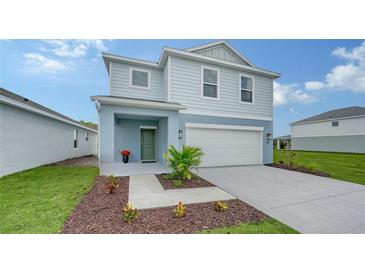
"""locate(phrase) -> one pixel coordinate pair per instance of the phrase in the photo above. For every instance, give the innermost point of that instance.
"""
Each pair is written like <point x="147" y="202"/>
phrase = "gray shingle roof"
<point x="28" y="102"/>
<point x="335" y="114"/>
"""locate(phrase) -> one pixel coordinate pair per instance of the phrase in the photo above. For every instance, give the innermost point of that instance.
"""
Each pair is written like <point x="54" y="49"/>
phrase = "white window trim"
<point x="202" y="83"/>
<point x="239" y="89"/>
<point x="148" y="127"/>
<point x="131" y="69"/>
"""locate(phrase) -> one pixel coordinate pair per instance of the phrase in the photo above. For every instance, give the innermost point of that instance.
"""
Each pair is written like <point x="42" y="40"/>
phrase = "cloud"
<point x="43" y="63"/>
<point x="293" y="111"/>
<point x="348" y="76"/>
<point x="284" y="94"/>
<point x="72" y="48"/>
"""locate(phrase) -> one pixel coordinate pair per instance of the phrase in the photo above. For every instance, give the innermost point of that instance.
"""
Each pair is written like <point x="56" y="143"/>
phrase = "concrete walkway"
<point x="121" y="169"/>
<point x="307" y="203"/>
<point x="145" y="191"/>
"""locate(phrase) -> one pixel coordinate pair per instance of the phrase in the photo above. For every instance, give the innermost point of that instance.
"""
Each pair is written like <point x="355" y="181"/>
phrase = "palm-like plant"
<point x="182" y="162"/>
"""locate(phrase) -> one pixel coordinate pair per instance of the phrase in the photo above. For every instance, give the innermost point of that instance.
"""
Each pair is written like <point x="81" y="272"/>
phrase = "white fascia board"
<point x="326" y="120"/>
<point x="136" y="103"/>
<point x="185" y="54"/>
<point x="117" y="58"/>
<point x="26" y="107"/>
<point x="220" y="126"/>
<point x="201" y="58"/>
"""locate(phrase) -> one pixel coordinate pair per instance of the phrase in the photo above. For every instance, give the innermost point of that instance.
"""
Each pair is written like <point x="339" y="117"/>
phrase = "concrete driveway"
<point x="307" y="203"/>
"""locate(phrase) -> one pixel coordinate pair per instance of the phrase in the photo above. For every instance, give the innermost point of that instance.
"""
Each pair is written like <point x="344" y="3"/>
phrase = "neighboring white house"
<point x="32" y="135"/>
<point x="339" y="130"/>
<point x="208" y="96"/>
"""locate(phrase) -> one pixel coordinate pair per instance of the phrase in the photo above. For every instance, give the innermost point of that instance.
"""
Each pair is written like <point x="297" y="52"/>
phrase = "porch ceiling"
<point x="137" y="117"/>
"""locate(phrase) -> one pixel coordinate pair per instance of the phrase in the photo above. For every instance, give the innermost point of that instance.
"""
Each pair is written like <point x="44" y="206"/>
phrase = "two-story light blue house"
<point x="208" y="96"/>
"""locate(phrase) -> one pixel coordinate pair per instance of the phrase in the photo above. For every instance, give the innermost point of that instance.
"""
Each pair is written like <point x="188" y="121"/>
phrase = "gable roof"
<point x="167" y="51"/>
<point x="15" y="98"/>
<point x="354" y="111"/>
<point x="236" y="55"/>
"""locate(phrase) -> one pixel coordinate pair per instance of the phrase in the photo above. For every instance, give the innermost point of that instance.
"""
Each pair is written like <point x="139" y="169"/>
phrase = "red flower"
<point x="125" y="152"/>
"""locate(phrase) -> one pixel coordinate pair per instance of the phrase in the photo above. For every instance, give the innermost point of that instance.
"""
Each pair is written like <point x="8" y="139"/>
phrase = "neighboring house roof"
<point x="199" y="49"/>
<point x="167" y="51"/>
<point x="14" y="99"/>
<point x="284" y="137"/>
<point x="131" y="102"/>
<point x="354" y="111"/>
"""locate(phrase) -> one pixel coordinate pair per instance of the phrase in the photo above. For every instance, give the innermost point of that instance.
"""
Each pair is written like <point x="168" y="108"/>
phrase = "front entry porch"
<point x="136" y="168"/>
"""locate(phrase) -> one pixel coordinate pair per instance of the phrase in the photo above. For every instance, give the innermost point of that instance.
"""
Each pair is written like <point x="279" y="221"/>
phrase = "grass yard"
<point x="267" y="226"/>
<point x="342" y="166"/>
<point x="40" y="200"/>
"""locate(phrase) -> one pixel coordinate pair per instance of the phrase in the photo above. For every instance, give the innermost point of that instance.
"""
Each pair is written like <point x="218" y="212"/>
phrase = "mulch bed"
<point x="196" y="181"/>
<point x="102" y="213"/>
<point x="300" y="169"/>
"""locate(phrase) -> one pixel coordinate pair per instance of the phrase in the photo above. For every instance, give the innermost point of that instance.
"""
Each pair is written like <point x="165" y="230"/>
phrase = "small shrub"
<point x="180" y="210"/>
<point x="182" y="162"/>
<point x="168" y="176"/>
<point x="177" y="183"/>
<point x="290" y="157"/>
<point x="112" y="185"/>
<point x="130" y="213"/>
<point x="312" y="167"/>
<point x="220" y="206"/>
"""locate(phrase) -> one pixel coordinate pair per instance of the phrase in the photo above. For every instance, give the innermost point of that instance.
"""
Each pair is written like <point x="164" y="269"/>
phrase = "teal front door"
<point x="148" y="144"/>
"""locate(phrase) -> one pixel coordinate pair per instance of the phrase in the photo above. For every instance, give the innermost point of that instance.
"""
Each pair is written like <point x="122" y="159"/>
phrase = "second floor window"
<point x="140" y="78"/>
<point x="246" y="89"/>
<point x="210" y="83"/>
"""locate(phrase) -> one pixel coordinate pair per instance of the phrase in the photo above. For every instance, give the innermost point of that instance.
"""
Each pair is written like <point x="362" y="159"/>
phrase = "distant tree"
<point x="89" y="124"/>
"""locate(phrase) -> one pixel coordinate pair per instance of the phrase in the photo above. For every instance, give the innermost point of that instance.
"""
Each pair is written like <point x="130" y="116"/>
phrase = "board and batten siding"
<point x="119" y="83"/>
<point x="220" y="53"/>
<point x="28" y="140"/>
<point x="346" y="127"/>
<point x="185" y="88"/>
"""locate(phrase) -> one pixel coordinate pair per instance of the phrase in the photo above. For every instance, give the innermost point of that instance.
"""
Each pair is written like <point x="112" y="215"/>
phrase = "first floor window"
<point x="210" y="83"/>
<point x="76" y="133"/>
<point x="246" y="89"/>
<point x="140" y="78"/>
<point x="87" y="136"/>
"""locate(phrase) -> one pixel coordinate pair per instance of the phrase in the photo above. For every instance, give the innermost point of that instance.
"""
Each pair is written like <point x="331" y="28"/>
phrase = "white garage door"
<point x="226" y="145"/>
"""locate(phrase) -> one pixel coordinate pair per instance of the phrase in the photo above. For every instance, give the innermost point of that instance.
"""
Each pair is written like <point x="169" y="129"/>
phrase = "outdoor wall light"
<point x="180" y="134"/>
<point x="268" y="137"/>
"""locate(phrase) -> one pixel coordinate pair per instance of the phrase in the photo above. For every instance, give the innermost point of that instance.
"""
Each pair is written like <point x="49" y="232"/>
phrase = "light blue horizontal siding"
<point x="165" y="82"/>
<point x="185" y="88"/>
<point x="119" y="83"/>
<point x="354" y="144"/>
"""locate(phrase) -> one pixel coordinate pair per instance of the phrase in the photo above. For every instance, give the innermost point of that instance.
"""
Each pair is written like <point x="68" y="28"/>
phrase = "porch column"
<point x="278" y="144"/>
<point x="106" y="131"/>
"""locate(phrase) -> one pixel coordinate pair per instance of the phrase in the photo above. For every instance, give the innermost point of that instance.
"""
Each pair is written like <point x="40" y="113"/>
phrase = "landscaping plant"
<point x="180" y="210"/>
<point x="290" y="157"/>
<point x="130" y="213"/>
<point x="182" y="162"/>
<point x="112" y="185"/>
<point x="178" y="183"/>
<point x="220" y="206"/>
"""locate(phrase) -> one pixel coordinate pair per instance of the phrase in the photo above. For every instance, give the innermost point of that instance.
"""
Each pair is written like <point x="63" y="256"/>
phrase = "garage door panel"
<point x="224" y="147"/>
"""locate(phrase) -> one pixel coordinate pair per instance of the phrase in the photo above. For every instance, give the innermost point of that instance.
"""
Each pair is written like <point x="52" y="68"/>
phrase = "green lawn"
<point x="267" y="226"/>
<point x="343" y="166"/>
<point x="40" y="200"/>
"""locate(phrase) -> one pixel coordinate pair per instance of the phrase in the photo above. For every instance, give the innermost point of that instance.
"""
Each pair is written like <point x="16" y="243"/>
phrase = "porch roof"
<point x="129" y="102"/>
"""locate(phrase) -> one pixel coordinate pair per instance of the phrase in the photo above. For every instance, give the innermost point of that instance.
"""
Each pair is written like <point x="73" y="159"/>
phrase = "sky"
<point x="316" y="75"/>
